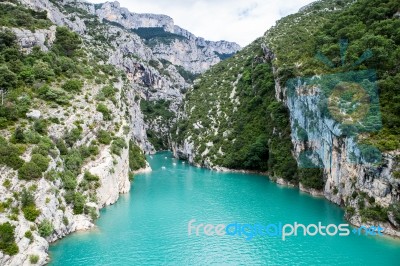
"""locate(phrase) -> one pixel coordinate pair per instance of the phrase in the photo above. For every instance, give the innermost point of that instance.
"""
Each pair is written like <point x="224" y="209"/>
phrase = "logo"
<point x="281" y="230"/>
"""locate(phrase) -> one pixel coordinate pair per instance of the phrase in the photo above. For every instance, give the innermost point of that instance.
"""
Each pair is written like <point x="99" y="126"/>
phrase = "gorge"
<point x="91" y="88"/>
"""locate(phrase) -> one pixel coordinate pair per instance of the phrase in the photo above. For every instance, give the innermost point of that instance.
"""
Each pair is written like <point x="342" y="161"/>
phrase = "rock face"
<point x="41" y="38"/>
<point x="193" y="53"/>
<point x="147" y="78"/>
<point x="113" y="11"/>
<point x="113" y="172"/>
<point x="345" y="180"/>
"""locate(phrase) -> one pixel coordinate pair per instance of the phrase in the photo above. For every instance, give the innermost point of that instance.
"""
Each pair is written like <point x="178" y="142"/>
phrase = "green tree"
<point x="45" y="228"/>
<point x="67" y="42"/>
<point x="8" y="79"/>
<point x="29" y="171"/>
<point x="7" y="239"/>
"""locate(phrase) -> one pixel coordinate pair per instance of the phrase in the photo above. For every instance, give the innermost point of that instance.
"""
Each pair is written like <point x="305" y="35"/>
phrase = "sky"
<point x="240" y="21"/>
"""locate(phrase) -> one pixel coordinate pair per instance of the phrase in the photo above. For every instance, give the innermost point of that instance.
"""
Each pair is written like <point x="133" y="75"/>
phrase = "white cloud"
<point x="241" y="21"/>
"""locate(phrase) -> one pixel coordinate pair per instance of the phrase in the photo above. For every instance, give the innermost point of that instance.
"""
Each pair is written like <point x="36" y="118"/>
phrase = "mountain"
<point x="313" y="103"/>
<point x="84" y="96"/>
<point x="88" y="89"/>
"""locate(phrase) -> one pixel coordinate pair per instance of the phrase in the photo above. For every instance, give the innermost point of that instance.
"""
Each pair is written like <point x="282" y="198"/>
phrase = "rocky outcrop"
<point x="113" y="11"/>
<point x="112" y="170"/>
<point x="42" y="38"/>
<point x="349" y="177"/>
<point x="55" y="15"/>
<point x="193" y="53"/>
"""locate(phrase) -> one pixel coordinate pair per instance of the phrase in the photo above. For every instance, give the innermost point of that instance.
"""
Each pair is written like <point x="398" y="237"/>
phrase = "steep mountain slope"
<point x="141" y="45"/>
<point x="275" y="107"/>
<point x="72" y="117"/>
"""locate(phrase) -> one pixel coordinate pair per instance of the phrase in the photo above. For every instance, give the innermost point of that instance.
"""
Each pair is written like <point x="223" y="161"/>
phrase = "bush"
<point x="29" y="235"/>
<point x="54" y="95"/>
<point x="73" y="85"/>
<point x="91" y="150"/>
<point x="137" y="160"/>
<point x="69" y="180"/>
<point x="33" y="259"/>
<point x="31" y="213"/>
<point x="41" y="161"/>
<point x="90" y="177"/>
<point x="27" y="198"/>
<point x="18" y="136"/>
<point x="72" y="136"/>
<point x="79" y="203"/>
<point x="29" y="171"/>
<point x="104" y="137"/>
<point x="8" y="79"/>
<point x="40" y="126"/>
<point x="73" y="162"/>
<point x="118" y="145"/>
<point x="374" y="213"/>
<point x="312" y="178"/>
<point x="45" y="228"/>
<point x="7" y="39"/>
<point x="42" y="71"/>
<point x="67" y="42"/>
<point x="107" y="92"/>
<point x="62" y="147"/>
<point x="44" y="147"/>
<point x="105" y="111"/>
<point x="7" y="239"/>
<point x="9" y="155"/>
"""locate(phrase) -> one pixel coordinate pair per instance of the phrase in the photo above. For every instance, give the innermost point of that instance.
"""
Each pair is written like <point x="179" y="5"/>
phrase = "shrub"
<point x="73" y="85"/>
<point x="54" y="95"/>
<point x="42" y="71"/>
<point x="72" y="136"/>
<point x="137" y="159"/>
<point x="7" y="239"/>
<point x="41" y="161"/>
<point x="29" y="235"/>
<point x="91" y="150"/>
<point x="69" y="180"/>
<point x="79" y="203"/>
<point x="40" y="126"/>
<point x="32" y="137"/>
<point x="44" y="147"/>
<point x="107" y="92"/>
<point x="105" y="111"/>
<point x="104" y="137"/>
<point x="31" y="213"/>
<point x="312" y="178"/>
<point x="29" y="171"/>
<point x="8" y="79"/>
<point x="374" y="213"/>
<point x="118" y="145"/>
<point x="27" y="198"/>
<point x="62" y="147"/>
<point x="9" y="155"/>
<point x="7" y="39"/>
<point x="18" y="135"/>
<point x="73" y="161"/>
<point x="67" y="42"/>
<point x="33" y="259"/>
<point x="45" y="228"/>
<point x="90" y="177"/>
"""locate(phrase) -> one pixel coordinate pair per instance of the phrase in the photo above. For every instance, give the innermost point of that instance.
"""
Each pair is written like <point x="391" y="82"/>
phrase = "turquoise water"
<point x="149" y="226"/>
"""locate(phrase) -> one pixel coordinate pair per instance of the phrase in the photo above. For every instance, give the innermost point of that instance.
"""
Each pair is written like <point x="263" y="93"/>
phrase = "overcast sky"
<point x="240" y="21"/>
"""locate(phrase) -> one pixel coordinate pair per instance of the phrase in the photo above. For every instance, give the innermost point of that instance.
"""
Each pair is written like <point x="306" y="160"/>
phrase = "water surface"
<point x="149" y="226"/>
